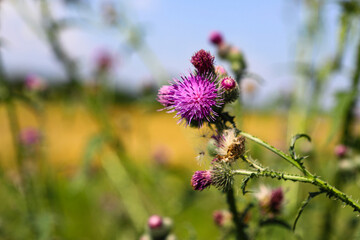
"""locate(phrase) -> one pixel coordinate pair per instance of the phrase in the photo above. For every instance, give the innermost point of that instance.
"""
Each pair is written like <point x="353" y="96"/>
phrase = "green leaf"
<point x="303" y="205"/>
<point x="292" y="145"/>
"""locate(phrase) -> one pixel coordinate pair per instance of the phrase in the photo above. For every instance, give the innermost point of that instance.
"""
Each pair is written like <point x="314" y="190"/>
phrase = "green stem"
<point x="240" y="233"/>
<point x="323" y="185"/>
<point x="277" y="152"/>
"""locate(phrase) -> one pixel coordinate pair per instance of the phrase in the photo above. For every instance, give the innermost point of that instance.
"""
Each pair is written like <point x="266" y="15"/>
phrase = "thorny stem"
<point x="240" y="233"/>
<point x="278" y="152"/>
<point x="307" y="178"/>
<point x="230" y="198"/>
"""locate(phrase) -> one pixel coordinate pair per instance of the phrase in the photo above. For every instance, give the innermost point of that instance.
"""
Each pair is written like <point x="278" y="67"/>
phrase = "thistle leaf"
<point x="303" y="205"/>
<point x="292" y="145"/>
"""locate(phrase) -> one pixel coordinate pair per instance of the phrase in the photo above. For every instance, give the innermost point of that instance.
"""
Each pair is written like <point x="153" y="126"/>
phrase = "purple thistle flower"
<point x="340" y="151"/>
<point x="216" y="38"/>
<point x="193" y="99"/>
<point x="29" y="136"/>
<point x="276" y="200"/>
<point x="165" y="94"/>
<point x="201" y="180"/>
<point x="203" y="61"/>
<point x="155" y="221"/>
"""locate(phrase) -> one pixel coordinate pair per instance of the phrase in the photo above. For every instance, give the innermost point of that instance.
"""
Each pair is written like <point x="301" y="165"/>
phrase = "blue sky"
<point x="266" y="31"/>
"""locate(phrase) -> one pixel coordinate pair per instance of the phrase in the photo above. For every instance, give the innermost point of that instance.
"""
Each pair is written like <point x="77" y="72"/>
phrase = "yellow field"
<point x="144" y="131"/>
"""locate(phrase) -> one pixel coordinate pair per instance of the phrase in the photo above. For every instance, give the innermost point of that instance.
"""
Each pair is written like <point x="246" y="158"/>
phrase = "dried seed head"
<point x="230" y="147"/>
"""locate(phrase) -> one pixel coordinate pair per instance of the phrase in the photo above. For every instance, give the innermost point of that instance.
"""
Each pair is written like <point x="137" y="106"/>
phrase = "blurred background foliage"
<point x="85" y="153"/>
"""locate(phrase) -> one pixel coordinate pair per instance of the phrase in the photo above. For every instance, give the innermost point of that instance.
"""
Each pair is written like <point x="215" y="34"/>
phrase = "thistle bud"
<point x="340" y="151"/>
<point x="224" y="50"/>
<point x="203" y="62"/>
<point x="271" y="201"/>
<point x="228" y="83"/>
<point x="216" y="38"/>
<point x="222" y="177"/>
<point x="222" y="218"/>
<point x="159" y="227"/>
<point x="220" y="71"/>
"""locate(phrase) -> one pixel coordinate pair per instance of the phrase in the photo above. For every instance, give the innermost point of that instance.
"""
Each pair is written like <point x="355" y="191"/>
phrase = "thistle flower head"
<point x="165" y="95"/>
<point x="29" y="137"/>
<point x="158" y="227"/>
<point x="201" y="180"/>
<point x="193" y="98"/>
<point x="203" y="62"/>
<point x="230" y="147"/>
<point x="270" y="200"/>
<point x="222" y="217"/>
<point x="216" y="38"/>
<point x="340" y="151"/>
<point x="155" y="221"/>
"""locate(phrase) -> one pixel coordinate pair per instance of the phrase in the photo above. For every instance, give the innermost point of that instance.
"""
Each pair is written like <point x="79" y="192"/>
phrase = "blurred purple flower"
<point x="340" y="151"/>
<point x="270" y="200"/>
<point x="222" y="217"/>
<point x="34" y="83"/>
<point x="276" y="200"/>
<point x="155" y="221"/>
<point x="104" y="60"/>
<point x="201" y="180"/>
<point x="216" y="38"/>
<point x="161" y="155"/>
<point x="29" y="137"/>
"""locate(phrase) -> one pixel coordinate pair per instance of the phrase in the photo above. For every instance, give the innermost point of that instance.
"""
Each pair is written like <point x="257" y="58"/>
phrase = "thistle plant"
<point x="199" y="99"/>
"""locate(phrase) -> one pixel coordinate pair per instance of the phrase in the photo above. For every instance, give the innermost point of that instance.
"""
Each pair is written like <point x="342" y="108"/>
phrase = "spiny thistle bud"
<point x="224" y="50"/>
<point x="159" y="227"/>
<point x="230" y="147"/>
<point x="228" y="83"/>
<point x="231" y="89"/>
<point x="203" y="62"/>
<point x="340" y="151"/>
<point x="220" y="71"/>
<point x="222" y="218"/>
<point x="216" y="38"/>
<point x="270" y="200"/>
<point x="155" y="221"/>
<point x="236" y="59"/>
<point x="222" y="176"/>
<point x="201" y="180"/>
